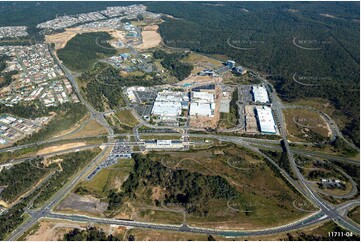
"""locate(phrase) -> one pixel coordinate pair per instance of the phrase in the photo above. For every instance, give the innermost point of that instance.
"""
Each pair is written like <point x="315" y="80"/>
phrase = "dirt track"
<point x="61" y="39"/>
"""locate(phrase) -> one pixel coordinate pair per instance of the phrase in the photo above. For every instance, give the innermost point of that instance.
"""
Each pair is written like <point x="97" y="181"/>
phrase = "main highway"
<point x="326" y="211"/>
<point x="326" y="208"/>
<point x="45" y="209"/>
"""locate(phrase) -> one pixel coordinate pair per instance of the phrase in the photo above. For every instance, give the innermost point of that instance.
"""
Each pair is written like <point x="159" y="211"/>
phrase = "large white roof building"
<point x="266" y="120"/>
<point x="203" y="97"/>
<point x="167" y="108"/>
<point x="202" y="104"/>
<point x="202" y="109"/>
<point x="168" y="103"/>
<point x="260" y="94"/>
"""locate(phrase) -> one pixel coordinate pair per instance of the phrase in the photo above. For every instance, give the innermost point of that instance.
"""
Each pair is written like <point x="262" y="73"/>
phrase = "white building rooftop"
<point x="265" y="120"/>
<point x="202" y="109"/>
<point x="260" y="94"/>
<point x="167" y="108"/>
<point x="203" y="97"/>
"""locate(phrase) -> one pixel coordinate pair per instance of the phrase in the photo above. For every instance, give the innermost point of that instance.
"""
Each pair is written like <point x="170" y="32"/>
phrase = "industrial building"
<point x="207" y="73"/>
<point x="265" y="120"/>
<point x="161" y="108"/>
<point x="163" y="144"/>
<point x="202" y="104"/>
<point x="202" y="109"/>
<point x="202" y="97"/>
<point x="239" y="70"/>
<point x="230" y="64"/>
<point x="260" y="94"/>
<point x="169" y="103"/>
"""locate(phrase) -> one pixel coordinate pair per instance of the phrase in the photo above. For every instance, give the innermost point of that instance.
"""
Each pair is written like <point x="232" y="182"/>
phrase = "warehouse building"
<point x="202" y="109"/>
<point x="202" y="97"/>
<point x="265" y="120"/>
<point x="260" y="94"/>
<point x="167" y="108"/>
<point x="170" y="104"/>
<point x="202" y="104"/>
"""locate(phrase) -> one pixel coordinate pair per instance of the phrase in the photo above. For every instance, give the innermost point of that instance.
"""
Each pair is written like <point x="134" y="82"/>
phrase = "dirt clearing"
<point x="299" y="122"/>
<point x="151" y="37"/>
<point x="61" y="39"/>
<point x="57" y="148"/>
<point x="53" y="230"/>
<point x="196" y="80"/>
<point x="87" y="204"/>
<point x="251" y="121"/>
<point x="92" y="128"/>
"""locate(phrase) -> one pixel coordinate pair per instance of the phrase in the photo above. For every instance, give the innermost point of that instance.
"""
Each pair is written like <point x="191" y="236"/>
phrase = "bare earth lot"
<point x="88" y="204"/>
<point x="61" y="39"/>
<point x="151" y="37"/>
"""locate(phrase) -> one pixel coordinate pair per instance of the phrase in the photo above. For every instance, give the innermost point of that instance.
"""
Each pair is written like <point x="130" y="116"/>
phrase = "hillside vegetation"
<point x="82" y="51"/>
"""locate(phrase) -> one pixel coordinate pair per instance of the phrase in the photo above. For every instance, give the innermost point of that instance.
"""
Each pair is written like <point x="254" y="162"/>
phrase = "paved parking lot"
<point x="144" y="110"/>
<point x="119" y="151"/>
<point x="146" y="96"/>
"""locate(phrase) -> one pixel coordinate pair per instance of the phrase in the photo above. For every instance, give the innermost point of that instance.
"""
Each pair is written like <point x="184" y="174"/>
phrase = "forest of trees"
<point x="10" y="220"/>
<point x="104" y="82"/>
<point x="172" y="62"/>
<point x="82" y="51"/>
<point x="27" y="110"/>
<point x="89" y="234"/>
<point x="71" y="164"/>
<point x="3" y="59"/>
<point x="191" y="190"/>
<point x="281" y="159"/>
<point x="67" y="115"/>
<point x="13" y="217"/>
<point x="20" y="178"/>
<point x="233" y="107"/>
<point x="7" y="76"/>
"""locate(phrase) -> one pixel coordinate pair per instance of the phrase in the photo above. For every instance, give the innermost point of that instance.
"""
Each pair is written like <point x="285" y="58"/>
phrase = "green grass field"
<point x="126" y="117"/>
<point x="298" y="121"/>
<point x="108" y="178"/>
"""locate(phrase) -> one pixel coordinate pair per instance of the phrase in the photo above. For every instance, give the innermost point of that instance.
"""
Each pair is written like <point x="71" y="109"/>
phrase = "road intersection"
<point x="325" y="211"/>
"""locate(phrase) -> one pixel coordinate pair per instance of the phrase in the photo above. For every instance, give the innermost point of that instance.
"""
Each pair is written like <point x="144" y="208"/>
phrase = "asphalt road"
<point x="54" y="200"/>
<point x="326" y="211"/>
<point x="313" y="219"/>
<point x="99" y="117"/>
